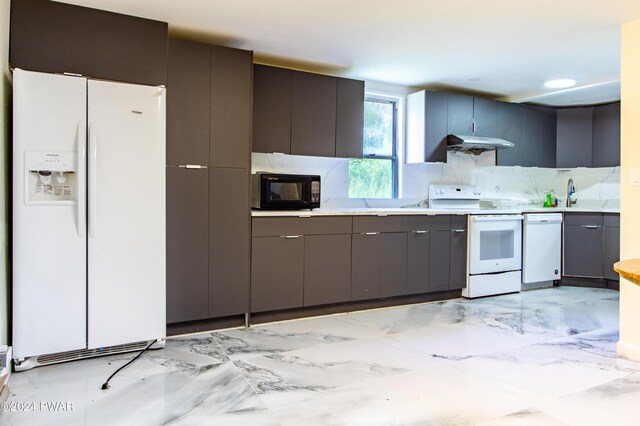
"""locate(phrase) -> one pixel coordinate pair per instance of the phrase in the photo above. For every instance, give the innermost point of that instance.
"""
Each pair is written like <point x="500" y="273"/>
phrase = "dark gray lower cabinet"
<point x="378" y="265"/>
<point x="229" y="240"/>
<point x="365" y="266"/>
<point x="393" y="272"/>
<point x="611" y="249"/>
<point x="458" y="253"/>
<point x="187" y="244"/>
<point x="327" y="269"/>
<point x="583" y="251"/>
<point x="439" y="255"/>
<point x="418" y="262"/>
<point x="277" y="273"/>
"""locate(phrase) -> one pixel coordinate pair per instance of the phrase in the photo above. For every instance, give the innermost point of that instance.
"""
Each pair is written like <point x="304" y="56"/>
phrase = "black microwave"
<point x="285" y="192"/>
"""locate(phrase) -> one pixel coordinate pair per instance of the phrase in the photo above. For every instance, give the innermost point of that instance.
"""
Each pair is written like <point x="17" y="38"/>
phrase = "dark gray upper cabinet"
<point x="187" y="244"/>
<point x="460" y="114"/>
<point x="574" y="141"/>
<point x="229" y="242"/>
<point x="458" y="253"/>
<point x="230" y="121"/>
<point x="52" y="37"/>
<point x="129" y="48"/>
<point x="313" y="115"/>
<point x="548" y="119"/>
<point x="272" y="109"/>
<point x="349" y="118"/>
<point x="606" y="135"/>
<point x="55" y="37"/>
<point x="327" y="269"/>
<point x="485" y="117"/>
<point x="539" y="137"/>
<point x="427" y="127"/>
<point x="511" y="127"/>
<point x="188" y="103"/>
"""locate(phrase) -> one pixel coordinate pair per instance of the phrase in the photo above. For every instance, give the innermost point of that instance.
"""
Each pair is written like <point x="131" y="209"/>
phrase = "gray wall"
<point x="5" y="99"/>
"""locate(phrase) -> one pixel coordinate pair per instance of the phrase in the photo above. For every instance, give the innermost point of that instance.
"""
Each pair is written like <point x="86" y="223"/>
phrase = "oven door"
<point x="495" y="243"/>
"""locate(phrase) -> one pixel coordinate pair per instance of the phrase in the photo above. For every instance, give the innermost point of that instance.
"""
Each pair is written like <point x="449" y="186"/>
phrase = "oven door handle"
<point x="504" y="218"/>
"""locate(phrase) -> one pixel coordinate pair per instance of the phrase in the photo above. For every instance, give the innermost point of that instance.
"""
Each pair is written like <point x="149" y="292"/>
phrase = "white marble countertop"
<point x="377" y="211"/>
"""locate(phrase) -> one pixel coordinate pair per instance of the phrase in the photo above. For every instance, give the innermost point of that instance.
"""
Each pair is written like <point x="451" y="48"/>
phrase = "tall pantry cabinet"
<point x="208" y="167"/>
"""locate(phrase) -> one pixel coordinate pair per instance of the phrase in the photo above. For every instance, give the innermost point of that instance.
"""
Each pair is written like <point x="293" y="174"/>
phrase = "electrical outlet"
<point x="635" y="177"/>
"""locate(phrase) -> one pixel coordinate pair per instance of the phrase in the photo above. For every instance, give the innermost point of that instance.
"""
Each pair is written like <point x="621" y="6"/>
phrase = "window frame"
<point x="394" y="156"/>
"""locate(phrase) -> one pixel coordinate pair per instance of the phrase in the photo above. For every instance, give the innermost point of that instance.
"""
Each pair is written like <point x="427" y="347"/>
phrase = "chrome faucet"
<point x="571" y="189"/>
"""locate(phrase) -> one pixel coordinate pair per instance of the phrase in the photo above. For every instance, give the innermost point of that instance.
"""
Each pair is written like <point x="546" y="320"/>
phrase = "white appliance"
<point x="454" y="197"/>
<point x="88" y="217"/>
<point x="494" y="255"/>
<point x="542" y="249"/>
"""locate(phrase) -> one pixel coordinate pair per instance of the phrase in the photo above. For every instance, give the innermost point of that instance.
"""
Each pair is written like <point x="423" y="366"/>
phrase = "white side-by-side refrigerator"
<point x="88" y="217"/>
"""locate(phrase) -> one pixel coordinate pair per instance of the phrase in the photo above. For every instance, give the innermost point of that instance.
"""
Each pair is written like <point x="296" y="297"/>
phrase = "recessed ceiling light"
<point x="560" y="83"/>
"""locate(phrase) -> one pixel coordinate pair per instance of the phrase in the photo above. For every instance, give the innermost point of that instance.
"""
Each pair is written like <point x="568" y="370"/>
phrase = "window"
<point x="375" y="175"/>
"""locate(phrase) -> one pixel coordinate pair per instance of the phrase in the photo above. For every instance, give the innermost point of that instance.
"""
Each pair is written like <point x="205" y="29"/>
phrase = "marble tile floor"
<point x="542" y="357"/>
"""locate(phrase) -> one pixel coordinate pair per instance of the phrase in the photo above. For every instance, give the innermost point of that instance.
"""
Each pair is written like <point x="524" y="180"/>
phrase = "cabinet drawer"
<point x="363" y="224"/>
<point x="459" y="222"/>
<point x="612" y="220"/>
<point x="277" y="226"/>
<point x="580" y="219"/>
<point x="429" y="223"/>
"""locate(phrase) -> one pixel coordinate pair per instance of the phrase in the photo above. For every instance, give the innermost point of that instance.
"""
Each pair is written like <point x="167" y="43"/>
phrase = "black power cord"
<point x="105" y="385"/>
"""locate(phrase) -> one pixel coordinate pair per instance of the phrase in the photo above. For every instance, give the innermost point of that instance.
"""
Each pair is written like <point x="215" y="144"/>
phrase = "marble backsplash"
<point x="506" y="186"/>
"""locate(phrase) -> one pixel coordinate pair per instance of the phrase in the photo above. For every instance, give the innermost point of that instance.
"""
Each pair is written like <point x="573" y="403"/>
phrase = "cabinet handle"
<point x="591" y="226"/>
<point x="290" y="237"/>
<point x="192" y="166"/>
<point x="419" y="232"/>
<point x="382" y="215"/>
<point x="371" y="233"/>
<point x="474" y="126"/>
<point x="458" y="230"/>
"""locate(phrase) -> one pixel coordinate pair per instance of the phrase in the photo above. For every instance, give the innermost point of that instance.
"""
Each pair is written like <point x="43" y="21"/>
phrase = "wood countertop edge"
<point x="629" y="270"/>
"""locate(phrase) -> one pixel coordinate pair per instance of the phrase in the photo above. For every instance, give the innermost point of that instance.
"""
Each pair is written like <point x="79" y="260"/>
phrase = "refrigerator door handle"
<point x="93" y="181"/>
<point x="81" y="178"/>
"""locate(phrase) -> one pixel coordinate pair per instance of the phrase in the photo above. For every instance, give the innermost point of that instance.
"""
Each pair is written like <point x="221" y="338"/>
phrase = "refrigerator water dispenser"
<point x="50" y="177"/>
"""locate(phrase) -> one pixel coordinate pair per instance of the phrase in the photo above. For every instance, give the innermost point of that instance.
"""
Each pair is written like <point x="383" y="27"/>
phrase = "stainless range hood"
<point x="475" y="144"/>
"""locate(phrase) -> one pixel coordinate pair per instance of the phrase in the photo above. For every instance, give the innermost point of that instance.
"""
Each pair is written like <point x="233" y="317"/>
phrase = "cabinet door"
<point x="458" y="259"/>
<point x="606" y="135"/>
<point x="229" y="242"/>
<point x="574" y="142"/>
<point x="418" y="262"/>
<point x="460" y="114"/>
<point x="548" y="134"/>
<point x="230" y="131"/>
<point x="349" y="118"/>
<point x="271" y="109"/>
<point x="611" y="252"/>
<point x="365" y="266"/>
<point x="313" y="115"/>
<point x="131" y="49"/>
<point x="583" y="251"/>
<point x="188" y="103"/>
<point x="485" y="116"/>
<point x="439" y="246"/>
<point x="393" y="273"/>
<point x="435" y="126"/>
<point x="52" y="37"/>
<point x="187" y="244"/>
<point x="327" y="269"/>
<point x="511" y="127"/>
<point x="276" y="273"/>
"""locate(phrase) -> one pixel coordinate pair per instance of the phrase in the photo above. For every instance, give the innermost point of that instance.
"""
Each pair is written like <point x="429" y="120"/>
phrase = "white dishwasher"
<point x="542" y="250"/>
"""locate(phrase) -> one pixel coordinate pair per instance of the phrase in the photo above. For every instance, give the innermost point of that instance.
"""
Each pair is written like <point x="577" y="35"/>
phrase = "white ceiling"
<point x="502" y="48"/>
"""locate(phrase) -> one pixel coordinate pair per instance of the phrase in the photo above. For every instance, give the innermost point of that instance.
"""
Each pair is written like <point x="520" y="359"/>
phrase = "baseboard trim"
<point x="628" y="350"/>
